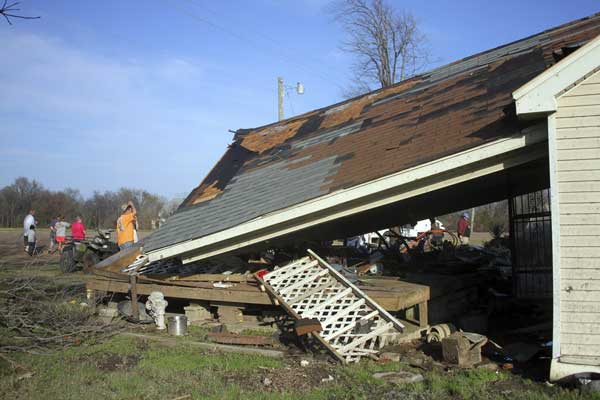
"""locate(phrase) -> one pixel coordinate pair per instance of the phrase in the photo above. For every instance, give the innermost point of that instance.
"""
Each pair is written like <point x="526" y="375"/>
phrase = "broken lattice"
<point x="353" y="324"/>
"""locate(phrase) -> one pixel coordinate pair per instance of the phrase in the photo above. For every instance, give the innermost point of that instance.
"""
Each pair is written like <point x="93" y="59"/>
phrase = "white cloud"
<point x="46" y="75"/>
<point x="63" y="106"/>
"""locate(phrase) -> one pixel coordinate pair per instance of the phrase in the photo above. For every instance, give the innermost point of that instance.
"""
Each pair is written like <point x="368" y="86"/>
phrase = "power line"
<point x="280" y="45"/>
<point x="256" y="45"/>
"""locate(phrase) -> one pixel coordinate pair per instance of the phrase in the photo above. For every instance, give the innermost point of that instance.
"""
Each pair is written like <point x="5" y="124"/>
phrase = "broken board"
<point x="353" y="325"/>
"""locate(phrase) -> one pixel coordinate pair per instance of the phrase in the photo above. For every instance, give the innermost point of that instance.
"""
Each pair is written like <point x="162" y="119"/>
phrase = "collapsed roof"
<point x="450" y="109"/>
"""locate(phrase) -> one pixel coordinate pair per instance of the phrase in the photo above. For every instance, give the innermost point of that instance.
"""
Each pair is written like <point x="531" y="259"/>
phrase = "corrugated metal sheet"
<point x="447" y="110"/>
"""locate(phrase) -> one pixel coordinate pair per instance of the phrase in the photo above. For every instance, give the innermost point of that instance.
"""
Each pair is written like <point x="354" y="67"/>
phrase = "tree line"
<point x="100" y="210"/>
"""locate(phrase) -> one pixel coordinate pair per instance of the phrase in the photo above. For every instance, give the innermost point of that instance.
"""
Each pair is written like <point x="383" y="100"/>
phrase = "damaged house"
<point x="515" y="122"/>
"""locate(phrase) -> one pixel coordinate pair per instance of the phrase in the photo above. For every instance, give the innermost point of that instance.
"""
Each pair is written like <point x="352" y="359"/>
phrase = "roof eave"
<point x="538" y="96"/>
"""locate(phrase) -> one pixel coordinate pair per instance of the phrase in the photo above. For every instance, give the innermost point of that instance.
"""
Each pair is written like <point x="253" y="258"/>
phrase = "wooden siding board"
<point x="580" y="263"/>
<point x="579" y="317"/>
<point x="578" y="208"/>
<point x="579" y="154"/>
<point x="580" y="306"/>
<point x="582" y="220"/>
<point x="578" y="143"/>
<point x="580" y="252"/>
<point x="577" y="165"/>
<point x="576" y="187"/>
<point x="589" y="110"/>
<point x="580" y="296"/>
<point x="577" y="122"/>
<point x="581" y="273"/>
<point x="574" y="101"/>
<point x="584" y="90"/>
<point x="579" y="349"/>
<point x="582" y="328"/>
<point x="591" y="240"/>
<point x="579" y="198"/>
<point x="577" y="132"/>
<point x="579" y="339"/>
<point x="581" y="284"/>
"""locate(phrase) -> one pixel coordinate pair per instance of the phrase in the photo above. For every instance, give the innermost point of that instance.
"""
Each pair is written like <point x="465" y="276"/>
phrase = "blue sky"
<point x="102" y="94"/>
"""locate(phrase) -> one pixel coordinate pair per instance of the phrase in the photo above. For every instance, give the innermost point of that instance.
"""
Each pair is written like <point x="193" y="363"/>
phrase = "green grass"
<point x="159" y="372"/>
<point x="150" y="370"/>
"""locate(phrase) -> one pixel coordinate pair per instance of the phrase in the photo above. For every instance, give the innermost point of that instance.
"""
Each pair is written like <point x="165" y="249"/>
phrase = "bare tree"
<point x="9" y="10"/>
<point x="388" y="44"/>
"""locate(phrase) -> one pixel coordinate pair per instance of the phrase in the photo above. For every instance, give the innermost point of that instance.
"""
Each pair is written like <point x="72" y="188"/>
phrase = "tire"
<point x="89" y="260"/>
<point x="67" y="263"/>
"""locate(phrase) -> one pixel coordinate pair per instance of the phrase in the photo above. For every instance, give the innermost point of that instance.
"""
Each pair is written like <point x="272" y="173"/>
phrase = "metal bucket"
<point x="177" y="325"/>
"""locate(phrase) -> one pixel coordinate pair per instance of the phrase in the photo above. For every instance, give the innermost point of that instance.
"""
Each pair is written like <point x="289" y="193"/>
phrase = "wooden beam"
<point x="120" y="260"/>
<point x="213" y="294"/>
<point x="423" y="315"/>
<point x="135" y="309"/>
<point x="209" y="278"/>
<point x="171" y="341"/>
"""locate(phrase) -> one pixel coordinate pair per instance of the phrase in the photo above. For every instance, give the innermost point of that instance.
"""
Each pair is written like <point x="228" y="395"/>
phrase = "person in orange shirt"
<point x="126" y="226"/>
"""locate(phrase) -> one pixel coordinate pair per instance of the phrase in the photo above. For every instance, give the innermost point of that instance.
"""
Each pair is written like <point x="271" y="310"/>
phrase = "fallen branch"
<point x="38" y="315"/>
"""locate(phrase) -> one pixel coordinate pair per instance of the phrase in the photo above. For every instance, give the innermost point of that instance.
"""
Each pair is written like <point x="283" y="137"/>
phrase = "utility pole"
<point x="280" y="90"/>
<point x="473" y="220"/>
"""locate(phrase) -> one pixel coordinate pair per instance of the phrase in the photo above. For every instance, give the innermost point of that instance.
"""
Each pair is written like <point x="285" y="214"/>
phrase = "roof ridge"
<point x="418" y="76"/>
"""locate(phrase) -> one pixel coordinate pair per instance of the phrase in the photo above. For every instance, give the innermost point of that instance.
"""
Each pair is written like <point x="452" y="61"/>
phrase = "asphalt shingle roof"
<point x="444" y="111"/>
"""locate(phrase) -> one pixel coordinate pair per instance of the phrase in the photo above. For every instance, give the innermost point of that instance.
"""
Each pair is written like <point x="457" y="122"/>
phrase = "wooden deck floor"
<point x="391" y="293"/>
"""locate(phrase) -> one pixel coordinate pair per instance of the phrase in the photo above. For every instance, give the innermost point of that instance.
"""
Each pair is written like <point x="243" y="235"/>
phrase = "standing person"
<point x="27" y="223"/>
<point x="61" y="232"/>
<point x="126" y="226"/>
<point x="463" y="229"/>
<point x="78" y="229"/>
<point x="31" y="240"/>
<point x="52" y="234"/>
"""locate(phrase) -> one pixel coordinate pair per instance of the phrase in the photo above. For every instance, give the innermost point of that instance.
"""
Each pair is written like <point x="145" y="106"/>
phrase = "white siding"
<point x="578" y="187"/>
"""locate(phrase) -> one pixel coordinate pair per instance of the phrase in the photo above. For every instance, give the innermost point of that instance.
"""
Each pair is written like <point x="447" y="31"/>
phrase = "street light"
<point x="280" y="91"/>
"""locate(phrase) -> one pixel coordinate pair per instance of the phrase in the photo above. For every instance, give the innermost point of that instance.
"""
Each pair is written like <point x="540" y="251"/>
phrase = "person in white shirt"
<point x="31" y="240"/>
<point x="27" y="223"/>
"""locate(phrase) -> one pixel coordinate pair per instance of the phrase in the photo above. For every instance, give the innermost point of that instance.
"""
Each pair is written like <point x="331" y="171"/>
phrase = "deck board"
<point x="391" y="293"/>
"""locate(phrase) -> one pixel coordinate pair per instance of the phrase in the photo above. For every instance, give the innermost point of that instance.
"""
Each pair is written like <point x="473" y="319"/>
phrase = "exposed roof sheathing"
<point x="449" y="109"/>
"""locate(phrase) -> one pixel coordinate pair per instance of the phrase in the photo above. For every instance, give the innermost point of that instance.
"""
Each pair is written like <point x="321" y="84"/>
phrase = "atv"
<point x="87" y="253"/>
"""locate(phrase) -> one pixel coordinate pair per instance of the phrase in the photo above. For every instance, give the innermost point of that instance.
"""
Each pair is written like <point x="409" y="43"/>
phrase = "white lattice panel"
<point x="353" y="324"/>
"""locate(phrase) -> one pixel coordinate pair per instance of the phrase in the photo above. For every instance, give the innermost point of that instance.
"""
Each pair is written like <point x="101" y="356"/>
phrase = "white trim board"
<point x="538" y="96"/>
<point x="555" y="226"/>
<point x="344" y="202"/>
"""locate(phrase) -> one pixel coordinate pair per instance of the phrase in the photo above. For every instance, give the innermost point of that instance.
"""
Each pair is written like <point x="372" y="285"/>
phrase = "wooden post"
<point x="135" y="311"/>
<point x="423" y="317"/>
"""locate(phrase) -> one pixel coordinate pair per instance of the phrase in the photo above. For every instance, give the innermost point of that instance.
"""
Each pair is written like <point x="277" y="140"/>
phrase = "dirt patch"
<point x="114" y="362"/>
<point x="291" y="377"/>
<point x="12" y="251"/>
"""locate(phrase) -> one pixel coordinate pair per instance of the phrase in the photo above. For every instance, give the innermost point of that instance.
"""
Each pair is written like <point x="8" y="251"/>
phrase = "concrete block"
<point x="197" y="312"/>
<point x="230" y="315"/>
